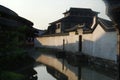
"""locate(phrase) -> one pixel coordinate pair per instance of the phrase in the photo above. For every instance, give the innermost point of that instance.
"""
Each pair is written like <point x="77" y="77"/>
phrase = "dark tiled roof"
<point x="4" y="10"/>
<point x="25" y="21"/>
<point x="74" y="19"/>
<point x="77" y="20"/>
<point x="86" y="10"/>
<point x="9" y="22"/>
<point x="72" y="29"/>
<point x="11" y="18"/>
<point x="84" y="28"/>
<point x="106" y="24"/>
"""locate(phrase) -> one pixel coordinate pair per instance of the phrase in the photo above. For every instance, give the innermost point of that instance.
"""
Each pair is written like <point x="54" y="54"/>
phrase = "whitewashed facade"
<point x="71" y="42"/>
<point x="105" y="44"/>
<point x="98" y="36"/>
<point x="99" y="43"/>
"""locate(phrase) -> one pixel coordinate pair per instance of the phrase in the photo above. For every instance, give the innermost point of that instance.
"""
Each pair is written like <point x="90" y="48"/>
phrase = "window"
<point x="58" y="26"/>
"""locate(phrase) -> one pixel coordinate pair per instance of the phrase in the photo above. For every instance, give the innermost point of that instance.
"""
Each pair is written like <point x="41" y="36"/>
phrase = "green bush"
<point x="11" y="76"/>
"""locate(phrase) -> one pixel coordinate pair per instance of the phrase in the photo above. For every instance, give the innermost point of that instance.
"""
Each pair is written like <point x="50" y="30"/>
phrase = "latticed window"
<point x="58" y="26"/>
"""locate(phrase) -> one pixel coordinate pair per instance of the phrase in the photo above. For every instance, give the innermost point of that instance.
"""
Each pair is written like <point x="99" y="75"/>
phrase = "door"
<point x="80" y="43"/>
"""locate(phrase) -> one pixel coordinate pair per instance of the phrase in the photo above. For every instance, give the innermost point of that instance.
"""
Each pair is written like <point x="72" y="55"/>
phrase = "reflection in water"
<point x="42" y="73"/>
<point x="58" y="75"/>
<point x="54" y="69"/>
<point x="52" y="61"/>
<point x="88" y="74"/>
<point x="51" y="74"/>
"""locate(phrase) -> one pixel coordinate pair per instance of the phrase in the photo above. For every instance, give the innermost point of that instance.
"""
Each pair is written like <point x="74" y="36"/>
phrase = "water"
<point x="57" y="69"/>
<point x="86" y="74"/>
<point x="43" y="74"/>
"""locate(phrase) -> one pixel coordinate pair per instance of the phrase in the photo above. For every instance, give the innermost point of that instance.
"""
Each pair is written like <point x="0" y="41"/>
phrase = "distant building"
<point x="40" y="32"/>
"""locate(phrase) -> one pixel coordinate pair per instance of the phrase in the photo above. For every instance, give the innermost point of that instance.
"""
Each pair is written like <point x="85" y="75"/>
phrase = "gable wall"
<point x="104" y="43"/>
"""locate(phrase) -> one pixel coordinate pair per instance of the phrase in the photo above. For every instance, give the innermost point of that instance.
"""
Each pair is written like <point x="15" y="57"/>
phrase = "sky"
<point x="43" y="12"/>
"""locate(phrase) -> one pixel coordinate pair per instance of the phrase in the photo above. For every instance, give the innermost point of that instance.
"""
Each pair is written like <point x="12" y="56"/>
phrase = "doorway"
<point x="80" y="43"/>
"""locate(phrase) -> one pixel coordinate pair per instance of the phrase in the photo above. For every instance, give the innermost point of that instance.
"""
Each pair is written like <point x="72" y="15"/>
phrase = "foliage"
<point x="11" y="41"/>
<point x="11" y="76"/>
<point x="12" y="52"/>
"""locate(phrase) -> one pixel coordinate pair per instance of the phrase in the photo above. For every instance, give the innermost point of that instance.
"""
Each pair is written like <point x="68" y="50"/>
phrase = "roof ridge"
<point x="7" y="11"/>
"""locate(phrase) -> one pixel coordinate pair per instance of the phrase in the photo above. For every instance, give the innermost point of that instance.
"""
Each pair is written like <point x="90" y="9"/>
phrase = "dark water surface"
<point x="54" y="69"/>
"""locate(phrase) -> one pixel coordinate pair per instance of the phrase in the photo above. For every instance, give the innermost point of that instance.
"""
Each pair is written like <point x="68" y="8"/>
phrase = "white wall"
<point x="51" y="41"/>
<point x="99" y="43"/>
<point x="105" y="44"/>
<point x="71" y="42"/>
<point x="87" y="44"/>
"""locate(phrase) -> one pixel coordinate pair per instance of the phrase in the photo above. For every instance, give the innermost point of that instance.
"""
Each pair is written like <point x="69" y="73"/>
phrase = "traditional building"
<point x="83" y="32"/>
<point x="73" y="18"/>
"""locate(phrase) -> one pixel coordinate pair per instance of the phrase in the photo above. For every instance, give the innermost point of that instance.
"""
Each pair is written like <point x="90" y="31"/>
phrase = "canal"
<point x="51" y="68"/>
<point x="87" y="74"/>
<point x="46" y="73"/>
<point x="43" y="74"/>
